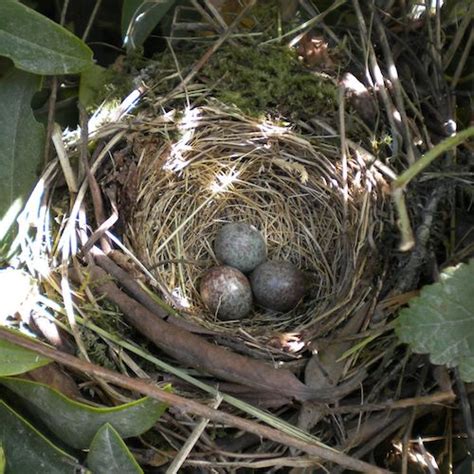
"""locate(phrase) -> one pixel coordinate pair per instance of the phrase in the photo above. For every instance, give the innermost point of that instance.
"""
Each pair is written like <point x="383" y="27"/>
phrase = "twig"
<point x="62" y="20"/>
<point x="344" y="149"/>
<point x="460" y="31"/>
<point x="462" y="61"/>
<point x="398" y="186"/>
<point x="191" y="441"/>
<point x="307" y="25"/>
<point x="93" y="185"/>
<point x="369" y="158"/>
<point x="435" y="398"/>
<point x="466" y="412"/>
<point x="187" y="405"/>
<point x="253" y="465"/>
<point x="134" y="289"/>
<point x="438" y="45"/>
<point x="218" y="23"/>
<point x="91" y="20"/>
<point x="195" y="351"/>
<point x="408" y="429"/>
<point x="53" y="96"/>
<point x="407" y="240"/>
<point x="207" y="55"/>
<point x="102" y="231"/>
<point x="448" y="143"/>
<point x="390" y="422"/>
<point x="397" y="89"/>
<point x="69" y="175"/>
<point x="435" y="55"/>
<point x="51" y="111"/>
<point x="408" y="277"/>
<point x="67" y="243"/>
<point x="378" y="76"/>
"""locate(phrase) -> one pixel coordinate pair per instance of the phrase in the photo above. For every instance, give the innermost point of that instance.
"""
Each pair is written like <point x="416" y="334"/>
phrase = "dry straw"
<point x="211" y="165"/>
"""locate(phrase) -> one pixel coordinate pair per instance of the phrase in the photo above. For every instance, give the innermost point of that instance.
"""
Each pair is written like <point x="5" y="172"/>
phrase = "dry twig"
<point x="189" y="406"/>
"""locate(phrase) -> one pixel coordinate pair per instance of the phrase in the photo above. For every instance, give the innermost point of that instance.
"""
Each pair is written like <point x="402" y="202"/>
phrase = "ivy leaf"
<point x="83" y="421"/>
<point x="21" y="142"/>
<point x="441" y="320"/>
<point x="37" y="44"/>
<point x="27" y="450"/>
<point x="16" y="360"/>
<point x="108" y="454"/>
<point x="139" y="18"/>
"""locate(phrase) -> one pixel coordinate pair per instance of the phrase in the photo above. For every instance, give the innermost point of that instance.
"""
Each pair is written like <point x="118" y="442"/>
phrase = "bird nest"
<point x="315" y="207"/>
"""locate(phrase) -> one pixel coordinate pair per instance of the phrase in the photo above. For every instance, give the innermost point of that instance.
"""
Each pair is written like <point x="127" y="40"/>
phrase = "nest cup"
<point x="209" y="166"/>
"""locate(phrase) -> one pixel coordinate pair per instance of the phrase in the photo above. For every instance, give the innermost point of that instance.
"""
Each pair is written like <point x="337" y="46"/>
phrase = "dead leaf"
<point x="314" y="51"/>
<point x="53" y="376"/>
<point x="325" y="368"/>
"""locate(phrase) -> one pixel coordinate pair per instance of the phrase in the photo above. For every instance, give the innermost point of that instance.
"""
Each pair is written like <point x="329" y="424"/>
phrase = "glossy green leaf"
<point x="139" y="18"/>
<point x="108" y="454"/>
<point x="15" y="360"/>
<point x="77" y="423"/>
<point x="27" y="450"/>
<point x="21" y="141"/>
<point x="441" y="320"/>
<point x="37" y="44"/>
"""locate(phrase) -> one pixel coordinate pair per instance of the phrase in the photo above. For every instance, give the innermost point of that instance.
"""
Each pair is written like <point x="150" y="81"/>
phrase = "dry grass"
<point x="224" y="167"/>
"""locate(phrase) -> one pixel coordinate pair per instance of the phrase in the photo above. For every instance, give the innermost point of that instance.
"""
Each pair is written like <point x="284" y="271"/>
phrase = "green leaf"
<point x="37" y="44"/>
<point x="76" y="423"/>
<point x="2" y="460"/>
<point x="21" y="142"/>
<point x="27" y="450"/>
<point x="441" y="320"/>
<point x="92" y="82"/>
<point x="15" y="360"/>
<point x="108" y="454"/>
<point x="139" y="18"/>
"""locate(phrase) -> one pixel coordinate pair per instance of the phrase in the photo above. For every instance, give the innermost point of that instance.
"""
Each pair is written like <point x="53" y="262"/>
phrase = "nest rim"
<point x="243" y="162"/>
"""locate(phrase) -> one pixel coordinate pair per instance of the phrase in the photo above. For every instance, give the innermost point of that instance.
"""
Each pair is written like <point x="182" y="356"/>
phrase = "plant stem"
<point x="399" y="185"/>
<point x="428" y="157"/>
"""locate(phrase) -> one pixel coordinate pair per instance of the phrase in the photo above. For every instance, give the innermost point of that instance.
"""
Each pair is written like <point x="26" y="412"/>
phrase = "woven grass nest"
<point x="210" y="165"/>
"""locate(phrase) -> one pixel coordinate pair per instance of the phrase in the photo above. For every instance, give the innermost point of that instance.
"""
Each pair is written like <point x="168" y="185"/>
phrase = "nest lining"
<point x="210" y="166"/>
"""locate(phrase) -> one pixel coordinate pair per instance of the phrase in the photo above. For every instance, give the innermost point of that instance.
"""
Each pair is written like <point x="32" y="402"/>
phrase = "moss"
<point x="117" y="85"/>
<point x="110" y="84"/>
<point x="270" y="78"/>
<point x="109" y="319"/>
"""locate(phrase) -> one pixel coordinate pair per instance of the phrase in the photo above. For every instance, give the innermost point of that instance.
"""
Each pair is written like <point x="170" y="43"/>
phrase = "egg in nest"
<point x="226" y="293"/>
<point x="241" y="246"/>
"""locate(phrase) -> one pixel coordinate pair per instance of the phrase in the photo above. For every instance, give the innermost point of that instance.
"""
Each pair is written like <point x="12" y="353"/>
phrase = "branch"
<point x="189" y="406"/>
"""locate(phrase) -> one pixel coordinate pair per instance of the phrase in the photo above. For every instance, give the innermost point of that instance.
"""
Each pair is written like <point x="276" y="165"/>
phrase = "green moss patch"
<point x="259" y="80"/>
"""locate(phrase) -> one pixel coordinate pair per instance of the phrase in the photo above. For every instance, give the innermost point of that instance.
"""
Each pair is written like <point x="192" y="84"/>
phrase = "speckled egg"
<point x="226" y="292"/>
<point x="278" y="286"/>
<point x="241" y="246"/>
